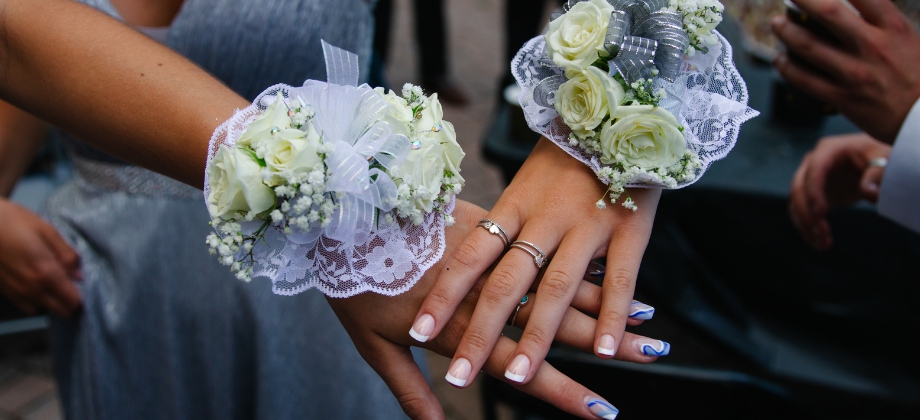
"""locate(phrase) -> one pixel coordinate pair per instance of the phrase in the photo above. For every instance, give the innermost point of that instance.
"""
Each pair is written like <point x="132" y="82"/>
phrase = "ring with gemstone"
<point x="495" y="229"/>
<point x="879" y="162"/>
<point x="524" y="300"/>
<point x="539" y="257"/>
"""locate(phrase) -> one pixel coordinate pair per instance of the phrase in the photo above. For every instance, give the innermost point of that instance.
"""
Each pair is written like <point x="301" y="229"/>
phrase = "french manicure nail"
<point x="650" y="347"/>
<point x="601" y="408"/>
<point x="639" y="310"/>
<point x="422" y="328"/>
<point x="606" y="345"/>
<point x="459" y="372"/>
<point x="517" y="370"/>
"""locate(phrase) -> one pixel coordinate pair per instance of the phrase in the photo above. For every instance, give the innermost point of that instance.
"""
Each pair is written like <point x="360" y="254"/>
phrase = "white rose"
<point x="576" y="39"/>
<point x="431" y="115"/>
<point x="261" y="129"/>
<point x="430" y="120"/>
<point x="587" y="98"/>
<point x="292" y="151"/>
<point x="425" y="167"/>
<point x="398" y="107"/>
<point x="647" y="136"/>
<point x="452" y="153"/>
<point x="236" y="185"/>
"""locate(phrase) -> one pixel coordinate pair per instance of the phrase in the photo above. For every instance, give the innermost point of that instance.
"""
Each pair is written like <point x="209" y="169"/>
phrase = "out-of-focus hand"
<point x="871" y="74"/>
<point x="836" y="173"/>
<point x="37" y="267"/>
<point x="377" y="324"/>
<point x="551" y="204"/>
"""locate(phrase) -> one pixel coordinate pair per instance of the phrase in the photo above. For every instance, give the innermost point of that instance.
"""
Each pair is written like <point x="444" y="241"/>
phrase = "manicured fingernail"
<point x="459" y="372"/>
<point x="639" y="310"/>
<point x="650" y="347"/>
<point x="596" y="269"/>
<point x="606" y="345"/>
<point x="422" y="328"/>
<point x="601" y="408"/>
<point x="518" y="368"/>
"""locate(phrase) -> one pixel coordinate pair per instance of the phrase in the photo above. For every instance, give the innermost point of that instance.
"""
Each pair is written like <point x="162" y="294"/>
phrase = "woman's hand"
<point x="837" y="172"/>
<point x="551" y="204"/>
<point x="37" y="267"/>
<point x="377" y="324"/>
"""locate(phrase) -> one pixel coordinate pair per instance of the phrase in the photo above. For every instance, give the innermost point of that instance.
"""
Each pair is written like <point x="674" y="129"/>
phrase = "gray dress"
<point x="166" y="332"/>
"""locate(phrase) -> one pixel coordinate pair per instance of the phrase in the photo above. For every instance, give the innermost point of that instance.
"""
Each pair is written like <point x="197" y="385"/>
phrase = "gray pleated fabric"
<point x="166" y="332"/>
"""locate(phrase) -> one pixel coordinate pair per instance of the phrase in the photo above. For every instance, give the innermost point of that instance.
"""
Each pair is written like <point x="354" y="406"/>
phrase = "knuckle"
<point x="620" y="280"/>
<point x="501" y="284"/>
<point x="439" y="298"/>
<point x="466" y="255"/>
<point x="829" y="10"/>
<point x="537" y="336"/>
<point x="556" y="284"/>
<point x="476" y="341"/>
<point x="413" y="403"/>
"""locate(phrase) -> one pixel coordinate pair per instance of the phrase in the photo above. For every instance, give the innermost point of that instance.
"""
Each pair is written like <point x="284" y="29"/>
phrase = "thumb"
<point x="870" y="182"/>
<point x="394" y="363"/>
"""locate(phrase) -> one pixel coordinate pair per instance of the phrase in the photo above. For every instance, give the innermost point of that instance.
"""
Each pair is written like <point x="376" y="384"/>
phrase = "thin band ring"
<point x="539" y="258"/>
<point x="879" y="162"/>
<point x="524" y="300"/>
<point x="495" y="229"/>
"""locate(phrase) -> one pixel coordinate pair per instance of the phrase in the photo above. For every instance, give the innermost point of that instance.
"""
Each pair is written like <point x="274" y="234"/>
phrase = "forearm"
<point x="110" y="86"/>
<point x="21" y="134"/>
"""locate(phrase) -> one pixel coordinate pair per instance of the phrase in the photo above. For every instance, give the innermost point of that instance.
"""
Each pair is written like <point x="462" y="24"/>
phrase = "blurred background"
<point x="761" y="325"/>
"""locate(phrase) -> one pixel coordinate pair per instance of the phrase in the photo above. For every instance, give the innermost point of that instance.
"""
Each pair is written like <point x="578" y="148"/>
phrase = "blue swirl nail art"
<point x="602" y="409"/>
<point x="656" y="348"/>
<point x="639" y="310"/>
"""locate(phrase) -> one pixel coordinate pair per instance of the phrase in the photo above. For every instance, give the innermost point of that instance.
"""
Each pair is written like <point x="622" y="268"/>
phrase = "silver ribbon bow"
<point x="641" y="36"/>
<point x="349" y="118"/>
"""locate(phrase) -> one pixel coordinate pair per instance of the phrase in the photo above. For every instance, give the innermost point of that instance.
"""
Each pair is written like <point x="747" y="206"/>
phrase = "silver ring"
<point x="879" y="162"/>
<point x="495" y="229"/>
<point x="524" y="300"/>
<point x="539" y="257"/>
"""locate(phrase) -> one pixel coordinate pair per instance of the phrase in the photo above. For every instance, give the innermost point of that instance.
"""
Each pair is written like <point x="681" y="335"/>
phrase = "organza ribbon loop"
<point x="544" y="93"/>
<point x="341" y="66"/>
<point x="636" y="59"/>
<point x="662" y="29"/>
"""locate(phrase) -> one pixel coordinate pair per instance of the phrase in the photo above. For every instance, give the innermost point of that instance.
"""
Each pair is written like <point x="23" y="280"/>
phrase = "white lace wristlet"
<point x="333" y="186"/>
<point x="644" y="92"/>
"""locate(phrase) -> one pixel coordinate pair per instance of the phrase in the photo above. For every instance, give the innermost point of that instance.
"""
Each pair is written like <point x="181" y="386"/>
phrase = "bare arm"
<point x="55" y="57"/>
<point x="21" y="135"/>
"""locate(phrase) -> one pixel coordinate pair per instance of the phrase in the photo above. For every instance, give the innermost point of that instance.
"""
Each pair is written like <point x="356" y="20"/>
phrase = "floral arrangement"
<point x="606" y="67"/>
<point x="331" y="162"/>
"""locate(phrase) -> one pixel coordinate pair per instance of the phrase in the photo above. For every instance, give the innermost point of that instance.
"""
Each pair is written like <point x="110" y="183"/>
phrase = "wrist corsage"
<point x="333" y="185"/>
<point x="644" y="92"/>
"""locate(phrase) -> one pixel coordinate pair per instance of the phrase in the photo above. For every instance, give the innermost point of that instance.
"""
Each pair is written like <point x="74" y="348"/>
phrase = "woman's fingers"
<point x="459" y="273"/>
<point x="555" y="293"/>
<point x="588" y="298"/>
<point x="577" y="330"/>
<point x="550" y="385"/>
<point x="394" y="363"/>
<point x="508" y="282"/>
<point x="623" y="258"/>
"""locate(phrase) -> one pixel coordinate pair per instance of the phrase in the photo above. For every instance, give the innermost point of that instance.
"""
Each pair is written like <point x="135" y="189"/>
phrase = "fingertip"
<point x="606" y="346"/>
<point x="459" y="372"/>
<point x="518" y="369"/>
<point x="422" y="328"/>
